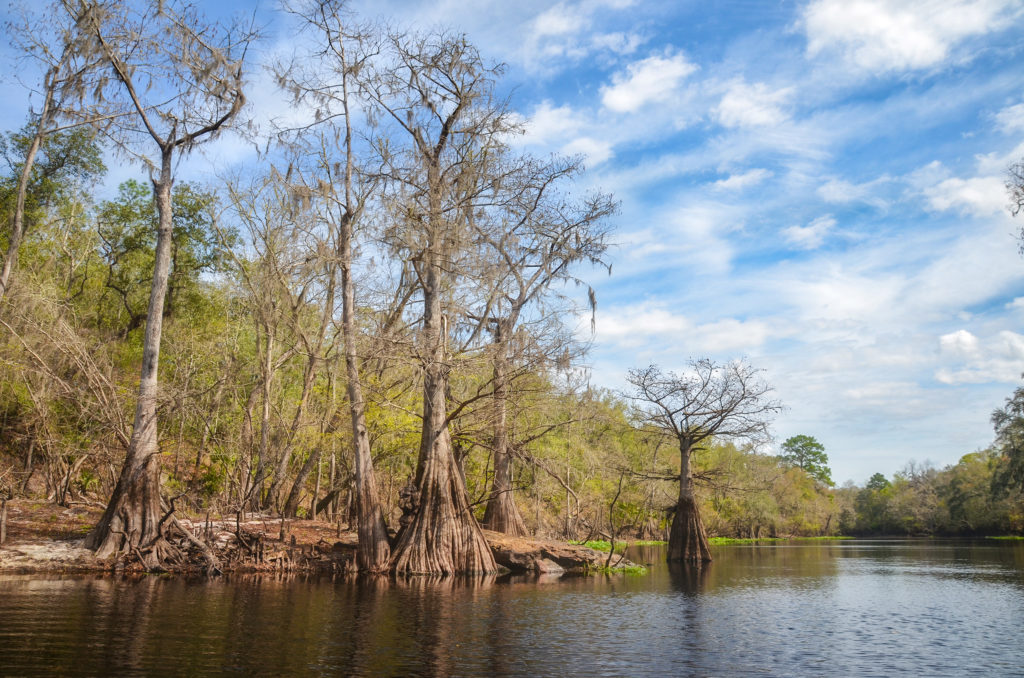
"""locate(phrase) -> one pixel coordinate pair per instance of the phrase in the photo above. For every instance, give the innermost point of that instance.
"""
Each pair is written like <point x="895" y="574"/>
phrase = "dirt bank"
<point x="45" y="537"/>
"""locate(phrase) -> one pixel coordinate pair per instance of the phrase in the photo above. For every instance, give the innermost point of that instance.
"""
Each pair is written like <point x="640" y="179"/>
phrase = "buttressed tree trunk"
<point x="374" y="543"/>
<point x="132" y="518"/>
<point x="337" y="55"/>
<point x="502" y="514"/>
<point x="206" y="84"/>
<point x="687" y="540"/>
<point x="437" y="91"/>
<point x="443" y="537"/>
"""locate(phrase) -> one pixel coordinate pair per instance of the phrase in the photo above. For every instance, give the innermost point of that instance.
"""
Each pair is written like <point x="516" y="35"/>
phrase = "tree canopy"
<point x="807" y="454"/>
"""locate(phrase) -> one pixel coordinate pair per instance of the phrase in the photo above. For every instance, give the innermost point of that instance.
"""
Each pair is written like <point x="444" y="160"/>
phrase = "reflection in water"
<point x="874" y="608"/>
<point x="689" y="578"/>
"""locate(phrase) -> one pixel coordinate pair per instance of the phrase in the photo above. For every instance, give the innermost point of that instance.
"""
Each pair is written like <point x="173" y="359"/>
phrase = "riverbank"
<point x="47" y="538"/>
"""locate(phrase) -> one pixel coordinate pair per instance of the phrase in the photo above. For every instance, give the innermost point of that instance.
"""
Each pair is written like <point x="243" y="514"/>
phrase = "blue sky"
<point x="815" y="186"/>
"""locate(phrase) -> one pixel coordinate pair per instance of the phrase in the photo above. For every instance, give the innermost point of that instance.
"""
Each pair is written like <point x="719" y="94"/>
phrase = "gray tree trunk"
<point x="18" y="218"/>
<point x="131" y="519"/>
<point x="502" y="513"/>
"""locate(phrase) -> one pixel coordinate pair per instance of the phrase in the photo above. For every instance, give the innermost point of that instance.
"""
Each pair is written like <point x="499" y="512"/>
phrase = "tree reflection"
<point x="689" y="578"/>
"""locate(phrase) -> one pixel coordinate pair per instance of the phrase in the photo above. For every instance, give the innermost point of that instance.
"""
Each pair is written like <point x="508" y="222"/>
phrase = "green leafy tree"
<point x="1009" y="427"/>
<point x="127" y="232"/>
<point x="873" y="505"/>
<point x="806" y="453"/>
<point x="877" y="483"/>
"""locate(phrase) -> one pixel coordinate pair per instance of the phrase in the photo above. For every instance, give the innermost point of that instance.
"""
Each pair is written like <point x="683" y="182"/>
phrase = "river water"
<point x="852" y="608"/>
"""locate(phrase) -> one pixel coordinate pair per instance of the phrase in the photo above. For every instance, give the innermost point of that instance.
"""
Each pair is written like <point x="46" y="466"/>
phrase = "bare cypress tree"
<point x="537" y="237"/>
<point x="180" y="79"/>
<point x="728" y="401"/>
<point x="435" y="94"/>
<point x="323" y="79"/>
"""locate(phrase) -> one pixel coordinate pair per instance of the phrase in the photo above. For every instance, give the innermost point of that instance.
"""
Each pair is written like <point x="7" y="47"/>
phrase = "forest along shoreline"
<point x="44" y="538"/>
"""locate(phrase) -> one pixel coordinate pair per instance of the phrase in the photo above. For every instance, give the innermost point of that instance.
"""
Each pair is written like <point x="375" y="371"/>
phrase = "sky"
<point x="815" y="187"/>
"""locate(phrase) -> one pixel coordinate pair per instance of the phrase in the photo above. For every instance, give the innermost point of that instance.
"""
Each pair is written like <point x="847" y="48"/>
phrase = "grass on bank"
<point x="620" y="546"/>
<point x="728" y="541"/>
<point x="623" y="569"/>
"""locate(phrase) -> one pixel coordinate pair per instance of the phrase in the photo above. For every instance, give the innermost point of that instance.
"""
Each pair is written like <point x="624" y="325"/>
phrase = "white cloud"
<point x="846" y="298"/>
<point x="977" y="195"/>
<point x="924" y="178"/>
<point x="999" y="358"/>
<point x="754" y="105"/>
<point x="840" y="191"/>
<point x="619" y="43"/>
<point x="811" y="236"/>
<point x="961" y="344"/>
<point x="595" y="152"/>
<point x="743" y="180"/>
<point x="648" y="324"/>
<point x="1011" y="118"/>
<point x="559" y="20"/>
<point x="653" y="79"/>
<point x="614" y="4"/>
<point x="561" y="34"/>
<point x="893" y="35"/>
<point x="550" y="125"/>
<point x="995" y="163"/>
<point x="843" y="192"/>
<point x="880" y="394"/>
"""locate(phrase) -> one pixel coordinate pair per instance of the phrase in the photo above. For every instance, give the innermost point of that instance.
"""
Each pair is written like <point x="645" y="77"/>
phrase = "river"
<point x="851" y="608"/>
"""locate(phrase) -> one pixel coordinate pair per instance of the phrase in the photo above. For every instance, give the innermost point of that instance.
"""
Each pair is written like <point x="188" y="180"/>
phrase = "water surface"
<point x="837" y="608"/>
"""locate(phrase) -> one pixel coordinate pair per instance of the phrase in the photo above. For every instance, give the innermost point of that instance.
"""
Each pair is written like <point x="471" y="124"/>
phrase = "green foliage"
<point x="634" y="570"/>
<point x="87" y="481"/>
<point x="921" y="500"/>
<point x="807" y="454"/>
<point x="872" y="504"/>
<point x="732" y="541"/>
<point x="127" y="232"/>
<point x="66" y="164"/>
<point x="877" y="483"/>
<point x="602" y="545"/>
<point x="1009" y="428"/>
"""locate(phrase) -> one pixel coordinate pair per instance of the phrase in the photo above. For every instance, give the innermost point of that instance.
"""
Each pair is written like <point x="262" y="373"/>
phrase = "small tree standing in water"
<point x="727" y="401"/>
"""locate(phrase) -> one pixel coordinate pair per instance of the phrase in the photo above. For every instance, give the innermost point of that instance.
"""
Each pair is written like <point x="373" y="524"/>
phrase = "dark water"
<point x="835" y="609"/>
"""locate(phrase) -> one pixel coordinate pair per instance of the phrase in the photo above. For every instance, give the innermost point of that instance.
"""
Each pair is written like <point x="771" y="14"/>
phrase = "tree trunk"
<point x="254" y="491"/>
<point x="131" y="519"/>
<point x="502" y="514"/>
<point x="291" y="504"/>
<point x="281" y="470"/>
<point x="687" y="541"/>
<point x="18" y="218"/>
<point x="374" y="543"/>
<point x="374" y="549"/>
<point x="443" y="537"/>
